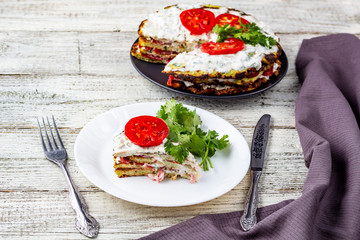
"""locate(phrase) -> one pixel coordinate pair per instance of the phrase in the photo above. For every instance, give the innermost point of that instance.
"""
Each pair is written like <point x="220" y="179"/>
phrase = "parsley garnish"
<point x="185" y="134"/>
<point x="249" y="33"/>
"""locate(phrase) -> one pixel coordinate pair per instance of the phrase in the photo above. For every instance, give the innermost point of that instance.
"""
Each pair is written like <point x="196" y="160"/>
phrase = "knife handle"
<point x="248" y="219"/>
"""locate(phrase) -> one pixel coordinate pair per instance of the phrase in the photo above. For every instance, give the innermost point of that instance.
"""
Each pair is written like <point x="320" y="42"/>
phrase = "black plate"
<point x="152" y="72"/>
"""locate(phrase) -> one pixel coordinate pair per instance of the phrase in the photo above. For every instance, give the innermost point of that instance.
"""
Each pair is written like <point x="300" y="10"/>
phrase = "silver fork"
<point x="85" y="223"/>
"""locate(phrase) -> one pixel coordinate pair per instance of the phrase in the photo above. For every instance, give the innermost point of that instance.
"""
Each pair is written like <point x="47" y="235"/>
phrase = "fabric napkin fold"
<point x="327" y="120"/>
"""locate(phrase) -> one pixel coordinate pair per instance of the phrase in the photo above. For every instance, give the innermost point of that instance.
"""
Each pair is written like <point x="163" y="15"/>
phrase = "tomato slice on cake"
<point x="197" y="20"/>
<point x="269" y="72"/>
<point x="230" y="46"/>
<point x="146" y="131"/>
<point x="230" y="19"/>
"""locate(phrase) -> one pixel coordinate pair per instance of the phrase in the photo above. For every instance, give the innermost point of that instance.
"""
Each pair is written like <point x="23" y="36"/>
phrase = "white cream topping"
<point x="124" y="147"/>
<point x="166" y="24"/>
<point x="197" y="60"/>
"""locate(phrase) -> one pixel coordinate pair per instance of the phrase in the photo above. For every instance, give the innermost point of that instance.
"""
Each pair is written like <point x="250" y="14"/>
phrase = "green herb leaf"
<point x="249" y="33"/>
<point x="179" y="151"/>
<point x="212" y="143"/>
<point x="186" y="135"/>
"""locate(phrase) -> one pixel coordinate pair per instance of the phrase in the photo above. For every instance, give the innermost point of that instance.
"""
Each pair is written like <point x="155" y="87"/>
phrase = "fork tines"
<point x="52" y="143"/>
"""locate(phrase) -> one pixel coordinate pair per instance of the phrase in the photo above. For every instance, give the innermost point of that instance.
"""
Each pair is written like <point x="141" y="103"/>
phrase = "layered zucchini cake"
<point x="209" y="49"/>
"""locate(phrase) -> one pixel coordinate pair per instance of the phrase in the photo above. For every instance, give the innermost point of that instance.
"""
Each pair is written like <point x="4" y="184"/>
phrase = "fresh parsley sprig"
<point x="186" y="135"/>
<point x="249" y="33"/>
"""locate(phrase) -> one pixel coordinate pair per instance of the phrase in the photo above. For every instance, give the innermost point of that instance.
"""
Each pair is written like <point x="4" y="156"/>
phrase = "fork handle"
<point x="85" y="223"/>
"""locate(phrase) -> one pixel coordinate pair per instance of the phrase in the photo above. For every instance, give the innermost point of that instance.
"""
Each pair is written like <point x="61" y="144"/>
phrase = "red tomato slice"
<point x="252" y="75"/>
<point x="268" y="72"/>
<point x="231" y="45"/>
<point x="170" y="80"/>
<point x="231" y="19"/>
<point x="146" y="131"/>
<point x="197" y="21"/>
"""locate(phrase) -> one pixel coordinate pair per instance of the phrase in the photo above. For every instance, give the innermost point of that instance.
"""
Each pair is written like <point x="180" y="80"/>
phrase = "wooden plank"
<point x="303" y="16"/>
<point x="108" y="53"/>
<point x="63" y="53"/>
<point x="71" y="59"/>
<point x="37" y="191"/>
<point x="72" y="94"/>
<point x="101" y="53"/>
<point x="30" y="160"/>
<point x="283" y="177"/>
<point x="38" y="52"/>
<point x="49" y="214"/>
<point x="119" y="84"/>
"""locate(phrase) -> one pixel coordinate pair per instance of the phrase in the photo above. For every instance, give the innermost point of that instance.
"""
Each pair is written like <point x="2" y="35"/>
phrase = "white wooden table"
<point x="71" y="59"/>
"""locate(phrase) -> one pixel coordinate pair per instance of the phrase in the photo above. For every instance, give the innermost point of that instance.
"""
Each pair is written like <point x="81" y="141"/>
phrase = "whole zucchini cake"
<point x="209" y="49"/>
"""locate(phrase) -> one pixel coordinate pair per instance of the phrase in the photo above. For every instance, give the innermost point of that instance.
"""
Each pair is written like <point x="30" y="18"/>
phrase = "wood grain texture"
<point x="71" y="59"/>
<point x="285" y="16"/>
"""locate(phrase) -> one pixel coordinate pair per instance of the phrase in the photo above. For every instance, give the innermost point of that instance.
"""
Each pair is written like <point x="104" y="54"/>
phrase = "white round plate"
<point x="93" y="154"/>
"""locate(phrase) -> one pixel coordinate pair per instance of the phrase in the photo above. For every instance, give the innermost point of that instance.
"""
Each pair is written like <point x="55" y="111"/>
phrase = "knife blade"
<point x="258" y="148"/>
<point x="259" y="142"/>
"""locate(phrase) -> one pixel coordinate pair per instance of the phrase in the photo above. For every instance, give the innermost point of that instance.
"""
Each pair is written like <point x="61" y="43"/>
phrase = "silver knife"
<point x="258" y="147"/>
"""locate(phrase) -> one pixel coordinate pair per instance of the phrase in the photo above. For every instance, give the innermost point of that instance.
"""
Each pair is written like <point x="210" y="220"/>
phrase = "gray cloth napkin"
<point x="327" y="120"/>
